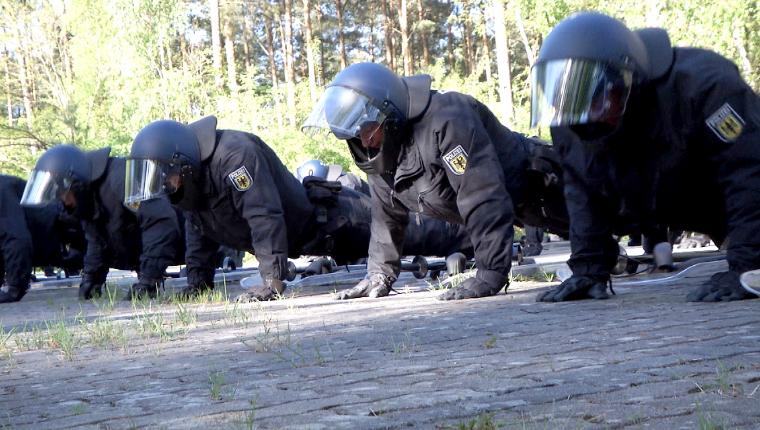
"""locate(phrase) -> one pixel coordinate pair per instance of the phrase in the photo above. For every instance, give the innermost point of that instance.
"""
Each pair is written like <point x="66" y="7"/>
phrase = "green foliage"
<point x="97" y="72"/>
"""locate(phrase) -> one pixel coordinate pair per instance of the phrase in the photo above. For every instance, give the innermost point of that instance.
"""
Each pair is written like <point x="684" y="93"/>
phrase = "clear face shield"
<point x="146" y="180"/>
<point x="44" y="187"/>
<point x="343" y="112"/>
<point x="570" y="92"/>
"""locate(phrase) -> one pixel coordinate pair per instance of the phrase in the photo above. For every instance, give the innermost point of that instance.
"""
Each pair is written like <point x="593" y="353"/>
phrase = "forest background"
<point x="94" y="72"/>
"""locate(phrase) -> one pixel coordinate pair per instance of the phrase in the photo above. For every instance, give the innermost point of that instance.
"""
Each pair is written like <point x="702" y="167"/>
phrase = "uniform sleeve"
<point x="160" y="234"/>
<point x="97" y="259"/>
<point x="730" y="124"/>
<point x="594" y="251"/>
<point x="387" y="230"/>
<point x="200" y="253"/>
<point x="476" y="175"/>
<point x="15" y="239"/>
<point x="255" y="195"/>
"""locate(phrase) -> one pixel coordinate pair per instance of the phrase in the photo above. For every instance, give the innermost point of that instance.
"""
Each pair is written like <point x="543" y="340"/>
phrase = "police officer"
<point x="442" y="154"/>
<point x="645" y="130"/>
<point x="424" y="235"/>
<point x="235" y="191"/>
<point x="32" y="236"/>
<point x="146" y="239"/>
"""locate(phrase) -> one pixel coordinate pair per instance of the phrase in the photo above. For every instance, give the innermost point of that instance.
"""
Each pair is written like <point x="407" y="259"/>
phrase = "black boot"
<point x="12" y="294"/>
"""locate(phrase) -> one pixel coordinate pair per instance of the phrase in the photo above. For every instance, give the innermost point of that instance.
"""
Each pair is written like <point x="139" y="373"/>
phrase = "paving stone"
<point x="643" y="359"/>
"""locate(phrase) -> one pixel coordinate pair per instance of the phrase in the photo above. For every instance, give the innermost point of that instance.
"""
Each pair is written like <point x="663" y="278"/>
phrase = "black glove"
<point x="577" y="287"/>
<point x="320" y="266"/>
<point x="91" y="286"/>
<point x="374" y="285"/>
<point x="721" y="287"/>
<point x="485" y="283"/>
<point x="259" y="293"/>
<point x="145" y="287"/>
<point x="9" y="294"/>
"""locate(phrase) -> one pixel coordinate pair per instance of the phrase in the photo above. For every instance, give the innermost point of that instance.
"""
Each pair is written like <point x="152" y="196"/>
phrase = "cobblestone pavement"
<point x="643" y="359"/>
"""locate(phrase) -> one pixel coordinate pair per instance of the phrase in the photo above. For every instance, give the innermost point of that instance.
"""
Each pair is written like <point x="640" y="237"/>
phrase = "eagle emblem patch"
<point x="241" y="179"/>
<point x="456" y="160"/>
<point x="726" y="123"/>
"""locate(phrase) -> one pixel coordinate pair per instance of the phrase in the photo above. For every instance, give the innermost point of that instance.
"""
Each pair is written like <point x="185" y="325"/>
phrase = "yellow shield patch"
<point x="241" y="179"/>
<point x="456" y="160"/>
<point x="726" y="123"/>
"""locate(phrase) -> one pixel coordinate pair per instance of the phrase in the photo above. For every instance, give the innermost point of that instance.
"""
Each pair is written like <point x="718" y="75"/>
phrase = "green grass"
<point x="107" y="334"/>
<point x="484" y="421"/>
<point x="108" y="298"/>
<point x="5" y="349"/>
<point x="185" y="315"/>
<point x="62" y="337"/>
<point x="490" y="342"/>
<point x="218" y="387"/>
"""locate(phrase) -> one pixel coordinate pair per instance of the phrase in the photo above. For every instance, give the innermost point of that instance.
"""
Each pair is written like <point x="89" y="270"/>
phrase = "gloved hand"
<point x="320" y="266"/>
<point x="259" y="293"/>
<point x="721" y="287"/>
<point x="91" y="286"/>
<point x="374" y="285"/>
<point x="11" y="293"/>
<point x="577" y="287"/>
<point x="145" y="287"/>
<point x="485" y="283"/>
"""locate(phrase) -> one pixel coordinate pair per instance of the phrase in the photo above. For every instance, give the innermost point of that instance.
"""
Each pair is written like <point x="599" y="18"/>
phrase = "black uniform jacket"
<point x="250" y="202"/>
<point x="29" y="236"/>
<point x="687" y="155"/>
<point x="459" y="165"/>
<point x="147" y="241"/>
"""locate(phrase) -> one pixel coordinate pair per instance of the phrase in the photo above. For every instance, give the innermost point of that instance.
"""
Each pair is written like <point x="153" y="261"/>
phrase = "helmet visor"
<point x="572" y="91"/>
<point x="342" y="111"/>
<point x="43" y="187"/>
<point x="144" y="181"/>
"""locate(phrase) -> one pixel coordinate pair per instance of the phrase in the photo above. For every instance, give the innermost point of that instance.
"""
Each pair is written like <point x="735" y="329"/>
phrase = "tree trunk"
<point x="289" y="60"/>
<point x="320" y="47"/>
<point x="746" y="65"/>
<point x="8" y="100"/>
<point x="25" y="93"/>
<point x="450" y="47"/>
<point x="390" y="58"/>
<point x="486" y="48"/>
<point x="469" y="46"/>
<point x="423" y="36"/>
<point x="502" y="62"/>
<point x="216" y="44"/>
<point x="229" y="53"/>
<point x="310" y="61"/>
<point x="341" y="36"/>
<point x="371" y="41"/>
<point x="523" y="35"/>
<point x="247" y="26"/>
<point x="406" y="49"/>
<point x="270" y="47"/>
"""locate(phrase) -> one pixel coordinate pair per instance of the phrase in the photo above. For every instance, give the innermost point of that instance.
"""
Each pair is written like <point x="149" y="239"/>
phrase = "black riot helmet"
<point x="588" y="65"/>
<point x="367" y="105"/>
<point x="59" y="170"/>
<point x="165" y="157"/>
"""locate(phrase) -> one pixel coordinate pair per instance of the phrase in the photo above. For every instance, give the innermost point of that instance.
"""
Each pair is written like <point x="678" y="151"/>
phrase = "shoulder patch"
<point x="726" y="123"/>
<point x="456" y="160"/>
<point x="241" y="179"/>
